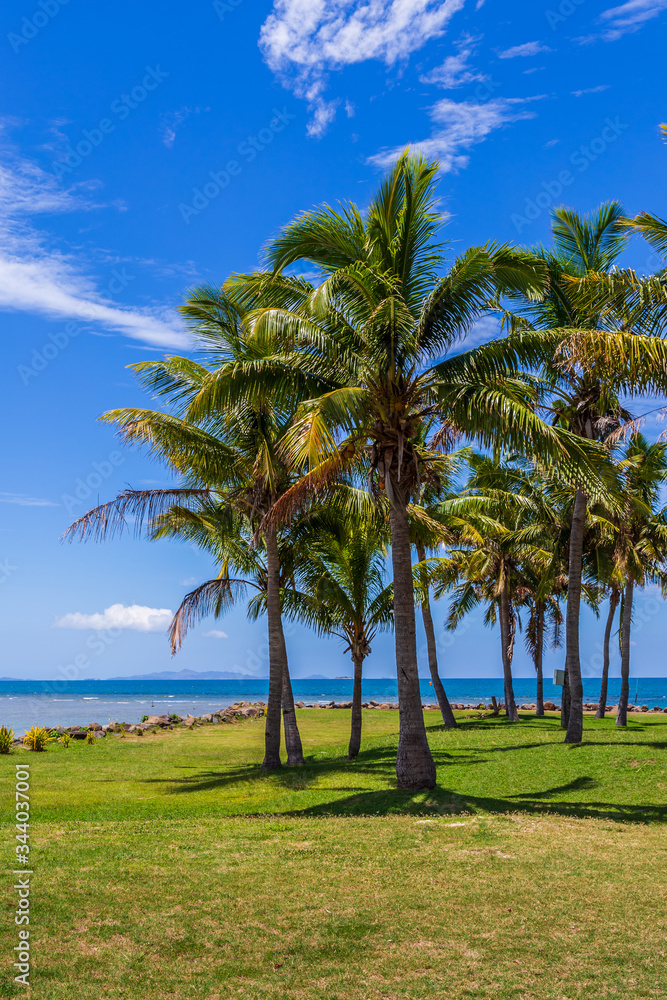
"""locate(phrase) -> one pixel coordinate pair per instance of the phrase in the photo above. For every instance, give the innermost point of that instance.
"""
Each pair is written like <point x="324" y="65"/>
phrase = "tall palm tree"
<point x="342" y="591"/>
<point x="226" y="535"/>
<point x="231" y="454"/>
<point x="583" y="336"/>
<point x="389" y="318"/>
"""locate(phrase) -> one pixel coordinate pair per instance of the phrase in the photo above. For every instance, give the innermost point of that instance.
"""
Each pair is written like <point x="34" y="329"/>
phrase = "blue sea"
<point x="50" y="703"/>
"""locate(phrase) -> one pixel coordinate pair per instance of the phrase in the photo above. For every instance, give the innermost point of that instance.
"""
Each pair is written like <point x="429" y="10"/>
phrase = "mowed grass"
<point x="170" y="866"/>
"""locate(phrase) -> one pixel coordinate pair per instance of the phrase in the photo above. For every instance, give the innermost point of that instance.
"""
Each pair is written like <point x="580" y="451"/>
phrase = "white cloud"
<point x="455" y="71"/>
<point x="135" y="617"/>
<point x="37" y="279"/>
<point x="215" y="634"/>
<point x="459" y="126"/>
<point x="591" y="90"/>
<point x="25" y="501"/>
<point x="527" y="49"/>
<point x="615" y="22"/>
<point x="629" y="17"/>
<point x="303" y="40"/>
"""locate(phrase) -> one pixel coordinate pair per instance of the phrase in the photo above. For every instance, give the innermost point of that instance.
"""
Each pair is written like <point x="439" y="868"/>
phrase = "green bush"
<point x="144" y="718"/>
<point x="6" y="739"/>
<point x="65" y="739"/>
<point x="90" y="737"/>
<point x="38" y="738"/>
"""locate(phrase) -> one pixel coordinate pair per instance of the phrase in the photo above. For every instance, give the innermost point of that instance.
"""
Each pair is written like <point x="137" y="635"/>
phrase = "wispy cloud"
<point x="303" y="41"/>
<point x="455" y="71"/>
<point x="135" y="618"/>
<point x="527" y="49"/>
<point x="625" y="19"/>
<point x="458" y="127"/>
<point x="171" y="120"/>
<point x="22" y="500"/>
<point x="39" y="279"/>
<point x="215" y="634"/>
<point x="591" y="90"/>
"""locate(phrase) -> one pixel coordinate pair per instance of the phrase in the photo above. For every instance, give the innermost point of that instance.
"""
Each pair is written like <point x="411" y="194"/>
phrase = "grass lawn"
<point x="170" y="866"/>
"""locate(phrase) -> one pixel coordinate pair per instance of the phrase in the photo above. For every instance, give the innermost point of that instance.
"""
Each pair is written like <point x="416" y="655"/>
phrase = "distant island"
<point x="192" y="675"/>
<point x="209" y="675"/>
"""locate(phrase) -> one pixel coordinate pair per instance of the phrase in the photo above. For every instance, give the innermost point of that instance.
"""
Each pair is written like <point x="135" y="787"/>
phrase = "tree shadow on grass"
<point x="376" y="763"/>
<point x="443" y="802"/>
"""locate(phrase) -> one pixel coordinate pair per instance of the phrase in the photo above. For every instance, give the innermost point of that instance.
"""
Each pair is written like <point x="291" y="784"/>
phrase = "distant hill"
<point x="191" y="675"/>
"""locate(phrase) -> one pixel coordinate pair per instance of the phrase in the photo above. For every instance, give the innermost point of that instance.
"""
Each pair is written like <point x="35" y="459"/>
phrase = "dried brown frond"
<point x="140" y="507"/>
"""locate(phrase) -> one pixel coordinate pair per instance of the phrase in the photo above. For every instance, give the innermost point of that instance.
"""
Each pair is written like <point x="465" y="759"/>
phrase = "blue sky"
<point x="144" y="149"/>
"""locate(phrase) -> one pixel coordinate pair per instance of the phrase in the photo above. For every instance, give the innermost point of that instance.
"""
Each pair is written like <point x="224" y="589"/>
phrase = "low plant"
<point x="65" y="739"/>
<point x="6" y="739"/>
<point x="38" y="738"/>
<point x="90" y="737"/>
<point x="144" y="718"/>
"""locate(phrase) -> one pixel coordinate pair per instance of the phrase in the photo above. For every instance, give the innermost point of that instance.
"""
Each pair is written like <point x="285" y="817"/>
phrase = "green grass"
<point x="170" y="866"/>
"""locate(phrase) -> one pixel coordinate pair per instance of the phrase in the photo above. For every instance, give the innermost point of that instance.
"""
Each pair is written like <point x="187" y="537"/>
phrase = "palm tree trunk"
<point x="292" y="737"/>
<point x="602" y="704"/>
<point x="443" y="700"/>
<point x="277" y="656"/>
<point x="415" y="767"/>
<point x="539" y="655"/>
<point x="506" y="642"/>
<point x="622" y="714"/>
<point x="355" y="728"/>
<point x="575" y="726"/>
<point x="565" y="702"/>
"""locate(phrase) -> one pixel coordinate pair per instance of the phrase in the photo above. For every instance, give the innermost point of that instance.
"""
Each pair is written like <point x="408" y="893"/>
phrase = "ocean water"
<point x="67" y="703"/>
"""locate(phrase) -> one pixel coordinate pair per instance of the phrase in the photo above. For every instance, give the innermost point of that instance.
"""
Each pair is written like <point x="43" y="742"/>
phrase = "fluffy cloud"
<point x="629" y="17"/>
<point x="459" y="126"/>
<point x="38" y="279"/>
<point x="302" y="40"/>
<point x="215" y="634"/>
<point x="527" y="49"/>
<point x="135" y="617"/>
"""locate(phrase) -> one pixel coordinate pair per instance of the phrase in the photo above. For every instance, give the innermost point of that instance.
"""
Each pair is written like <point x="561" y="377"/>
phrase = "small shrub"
<point x="90" y="737"/>
<point x="6" y="739"/>
<point x="37" y="739"/>
<point x="144" y="718"/>
<point x="65" y="739"/>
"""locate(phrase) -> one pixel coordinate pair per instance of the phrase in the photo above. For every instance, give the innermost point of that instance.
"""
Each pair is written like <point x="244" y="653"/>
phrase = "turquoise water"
<point x="50" y="703"/>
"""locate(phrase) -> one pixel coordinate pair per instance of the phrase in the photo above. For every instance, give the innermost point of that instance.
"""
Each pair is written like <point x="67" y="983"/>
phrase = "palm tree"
<point x="226" y="534"/>
<point x="509" y="525"/>
<point x="545" y="616"/>
<point x="641" y="548"/>
<point x="229" y="455"/>
<point x="385" y="316"/>
<point x="342" y="592"/>
<point x="579" y="334"/>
